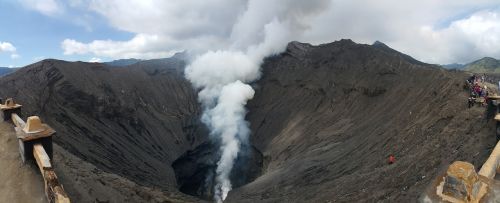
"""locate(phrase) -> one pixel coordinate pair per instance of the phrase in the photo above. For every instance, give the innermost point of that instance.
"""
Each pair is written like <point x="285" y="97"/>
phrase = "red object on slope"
<point x="392" y="159"/>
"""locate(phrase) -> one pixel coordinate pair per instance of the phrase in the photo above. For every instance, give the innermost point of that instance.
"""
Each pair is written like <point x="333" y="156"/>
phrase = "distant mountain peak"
<point x="183" y="55"/>
<point x="126" y="62"/>
<point x="487" y="58"/>
<point x="346" y="41"/>
<point x="383" y="47"/>
<point x="379" y="43"/>
<point x="484" y="65"/>
<point x="6" y="70"/>
<point x="297" y="49"/>
<point x="123" y="62"/>
<point x="457" y="66"/>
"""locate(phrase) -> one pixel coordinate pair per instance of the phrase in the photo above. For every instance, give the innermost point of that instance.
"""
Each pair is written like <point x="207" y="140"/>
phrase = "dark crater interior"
<point x="195" y="170"/>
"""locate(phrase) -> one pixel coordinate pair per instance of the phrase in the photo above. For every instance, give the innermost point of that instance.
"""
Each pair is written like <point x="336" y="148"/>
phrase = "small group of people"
<point x="476" y="79"/>
<point x="476" y="91"/>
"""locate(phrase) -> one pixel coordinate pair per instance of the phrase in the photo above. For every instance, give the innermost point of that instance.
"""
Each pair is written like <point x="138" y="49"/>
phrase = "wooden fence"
<point x="35" y="145"/>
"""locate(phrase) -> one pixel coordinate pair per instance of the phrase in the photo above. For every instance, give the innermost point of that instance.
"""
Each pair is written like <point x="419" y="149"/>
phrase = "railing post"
<point x="9" y="108"/>
<point x="31" y="132"/>
<point x="35" y="142"/>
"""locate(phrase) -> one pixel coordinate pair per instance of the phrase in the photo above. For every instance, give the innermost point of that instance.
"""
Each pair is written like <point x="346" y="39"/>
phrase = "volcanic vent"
<point x="195" y="169"/>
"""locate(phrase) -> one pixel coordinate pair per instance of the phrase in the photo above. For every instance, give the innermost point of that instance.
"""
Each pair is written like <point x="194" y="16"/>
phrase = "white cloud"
<point x="179" y="19"/>
<point x="141" y="46"/>
<point x="95" y="60"/>
<point x="15" y="56"/>
<point x="161" y="27"/>
<point x="76" y="3"/>
<point x="71" y="11"/>
<point x="46" y="7"/>
<point x="7" y="47"/>
<point x="463" y="40"/>
<point x="413" y="27"/>
<point x="417" y="28"/>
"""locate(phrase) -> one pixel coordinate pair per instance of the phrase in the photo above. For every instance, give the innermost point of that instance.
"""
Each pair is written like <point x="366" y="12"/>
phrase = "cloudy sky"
<point x="444" y="31"/>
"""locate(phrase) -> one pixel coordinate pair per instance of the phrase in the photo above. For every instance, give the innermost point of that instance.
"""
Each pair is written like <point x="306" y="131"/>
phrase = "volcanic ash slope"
<point x="327" y="117"/>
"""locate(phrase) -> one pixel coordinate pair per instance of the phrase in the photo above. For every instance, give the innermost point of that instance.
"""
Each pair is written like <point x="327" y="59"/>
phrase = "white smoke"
<point x="228" y="121"/>
<point x="262" y="30"/>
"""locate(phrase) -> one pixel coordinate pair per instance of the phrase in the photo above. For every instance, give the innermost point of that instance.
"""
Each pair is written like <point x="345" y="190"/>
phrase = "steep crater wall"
<point x="327" y="117"/>
<point x="132" y="121"/>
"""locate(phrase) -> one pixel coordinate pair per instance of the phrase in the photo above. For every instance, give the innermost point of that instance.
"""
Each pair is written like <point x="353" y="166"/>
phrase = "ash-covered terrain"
<point x="324" y="119"/>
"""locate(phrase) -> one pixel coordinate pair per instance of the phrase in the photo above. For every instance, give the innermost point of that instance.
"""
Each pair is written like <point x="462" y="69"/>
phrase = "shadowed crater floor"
<point x="195" y="170"/>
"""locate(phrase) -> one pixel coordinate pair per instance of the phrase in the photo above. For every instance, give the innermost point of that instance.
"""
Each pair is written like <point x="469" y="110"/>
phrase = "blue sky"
<point x="37" y="36"/>
<point x="444" y="31"/>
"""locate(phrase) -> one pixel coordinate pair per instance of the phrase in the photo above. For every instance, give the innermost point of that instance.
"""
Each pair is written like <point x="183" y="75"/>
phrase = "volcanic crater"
<point x="323" y="120"/>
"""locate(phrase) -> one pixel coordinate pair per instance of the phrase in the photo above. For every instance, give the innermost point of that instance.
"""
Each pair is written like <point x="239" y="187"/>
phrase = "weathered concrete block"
<point x="33" y="125"/>
<point x="8" y="108"/>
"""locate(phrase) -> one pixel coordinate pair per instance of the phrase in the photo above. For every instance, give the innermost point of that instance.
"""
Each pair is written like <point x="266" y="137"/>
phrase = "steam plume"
<point x="263" y="29"/>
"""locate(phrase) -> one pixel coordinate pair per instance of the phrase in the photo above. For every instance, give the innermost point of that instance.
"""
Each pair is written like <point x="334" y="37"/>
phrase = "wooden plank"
<point x="53" y="189"/>
<point x="497" y="117"/>
<point x="18" y="121"/>
<point x="490" y="167"/>
<point x="41" y="157"/>
<point x="60" y="195"/>
<point x="5" y="107"/>
<point x="494" y="97"/>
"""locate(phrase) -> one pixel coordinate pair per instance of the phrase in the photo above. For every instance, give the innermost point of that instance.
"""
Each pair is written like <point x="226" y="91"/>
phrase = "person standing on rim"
<point x="392" y="159"/>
